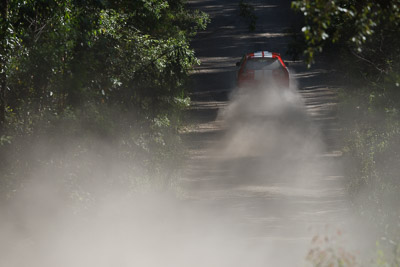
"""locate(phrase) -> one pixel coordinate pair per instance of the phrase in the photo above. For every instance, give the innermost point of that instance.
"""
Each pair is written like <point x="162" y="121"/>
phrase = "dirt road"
<point x="266" y="161"/>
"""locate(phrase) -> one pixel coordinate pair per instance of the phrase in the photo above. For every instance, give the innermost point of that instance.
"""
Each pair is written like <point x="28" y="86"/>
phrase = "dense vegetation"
<point x="78" y="71"/>
<point x="366" y="36"/>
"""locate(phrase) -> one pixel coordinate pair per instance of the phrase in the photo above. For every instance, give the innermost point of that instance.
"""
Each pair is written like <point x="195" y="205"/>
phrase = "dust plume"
<point x="269" y="120"/>
<point x="273" y="186"/>
<point x="277" y="161"/>
<point x="42" y="225"/>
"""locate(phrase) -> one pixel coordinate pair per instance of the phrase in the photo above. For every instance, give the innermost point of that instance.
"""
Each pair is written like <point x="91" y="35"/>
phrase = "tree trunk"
<point x="3" y="53"/>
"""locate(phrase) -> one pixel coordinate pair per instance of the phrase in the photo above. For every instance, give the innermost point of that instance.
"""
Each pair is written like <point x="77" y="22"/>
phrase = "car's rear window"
<point x="262" y="63"/>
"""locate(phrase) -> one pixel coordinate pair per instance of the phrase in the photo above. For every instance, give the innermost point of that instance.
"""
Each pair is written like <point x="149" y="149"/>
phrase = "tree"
<point x="60" y="56"/>
<point x="368" y="29"/>
<point x="113" y="69"/>
<point x="3" y="58"/>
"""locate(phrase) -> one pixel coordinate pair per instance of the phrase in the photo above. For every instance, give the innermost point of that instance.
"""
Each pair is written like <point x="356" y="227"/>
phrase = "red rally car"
<point x="262" y="66"/>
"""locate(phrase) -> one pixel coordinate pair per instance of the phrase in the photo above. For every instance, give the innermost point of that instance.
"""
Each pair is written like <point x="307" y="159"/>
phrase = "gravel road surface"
<point x="266" y="159"/>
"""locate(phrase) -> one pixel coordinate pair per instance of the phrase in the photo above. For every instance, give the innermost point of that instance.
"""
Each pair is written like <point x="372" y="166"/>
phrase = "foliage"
<point x="385" y="260"/>
<point x="353" y="24"/>
<point x="68" y="53"/>
<point x="114" y="70"/>
<point x="364" y="37"/>
<point x="326" y="251"/>
<point x="372" y="143"/>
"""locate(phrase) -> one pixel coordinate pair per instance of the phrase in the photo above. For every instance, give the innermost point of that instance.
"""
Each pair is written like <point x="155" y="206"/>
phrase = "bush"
<point x="82" y="75"/>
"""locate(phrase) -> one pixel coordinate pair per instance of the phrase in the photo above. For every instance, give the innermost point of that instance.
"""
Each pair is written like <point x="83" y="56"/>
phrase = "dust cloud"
<point x="270" y="121"/>
<point x="290" y="187"/>
<point x="273" y="154"/>
<point x="41" y="227"/>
